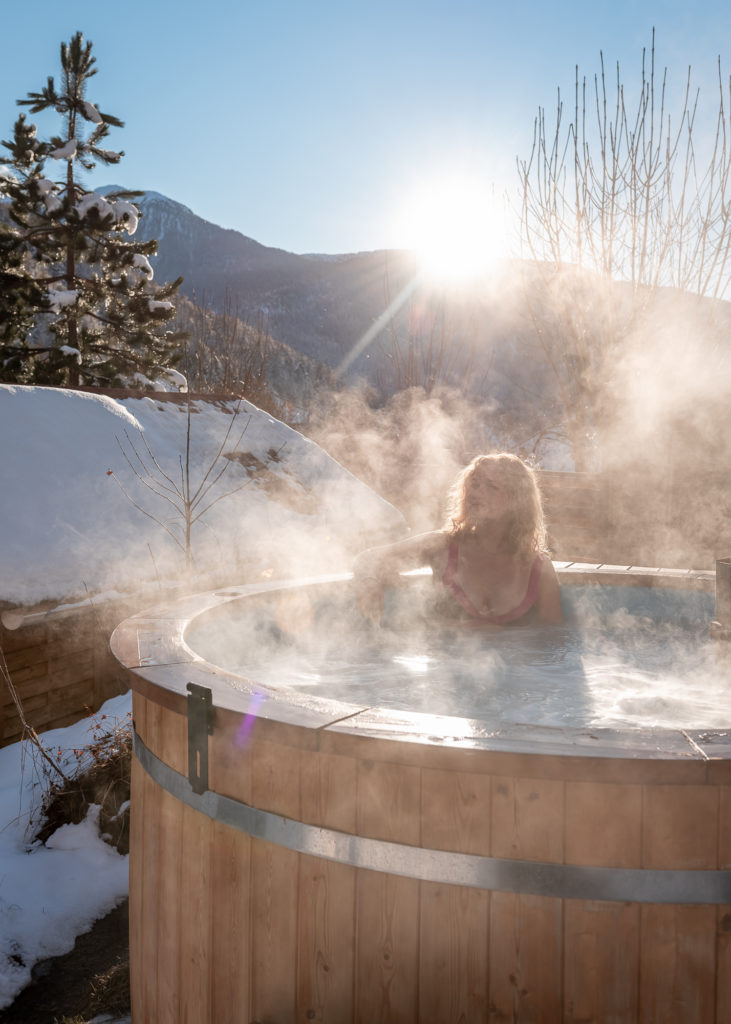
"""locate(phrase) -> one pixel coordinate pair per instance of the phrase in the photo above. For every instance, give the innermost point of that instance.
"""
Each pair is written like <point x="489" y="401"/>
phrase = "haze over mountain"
<point x="323" y="305"/>
<point x="316" y="305"/>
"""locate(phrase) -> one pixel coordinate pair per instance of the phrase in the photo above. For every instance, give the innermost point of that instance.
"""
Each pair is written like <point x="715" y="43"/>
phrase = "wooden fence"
<point x="575" y="507"/>
<point x="651" y="517"/>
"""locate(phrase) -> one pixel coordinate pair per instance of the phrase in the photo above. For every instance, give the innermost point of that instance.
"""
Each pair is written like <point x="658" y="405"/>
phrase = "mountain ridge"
<point x="318" y="303"/>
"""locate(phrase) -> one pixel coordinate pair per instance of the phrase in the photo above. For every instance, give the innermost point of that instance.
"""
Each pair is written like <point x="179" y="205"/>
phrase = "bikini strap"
<point x="531" y="595"/>
<point x="452" y="556"/>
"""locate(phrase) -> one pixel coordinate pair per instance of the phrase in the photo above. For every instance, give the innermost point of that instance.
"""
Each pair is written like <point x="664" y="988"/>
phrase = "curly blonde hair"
<point x="526" y="535"/>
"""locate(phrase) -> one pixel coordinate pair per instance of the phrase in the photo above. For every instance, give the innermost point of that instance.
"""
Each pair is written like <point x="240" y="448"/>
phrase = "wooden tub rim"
<point x="151" y="646"/>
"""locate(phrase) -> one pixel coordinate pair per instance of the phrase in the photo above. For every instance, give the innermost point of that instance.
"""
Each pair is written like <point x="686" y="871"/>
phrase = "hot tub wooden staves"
<point x="298" y="860"/>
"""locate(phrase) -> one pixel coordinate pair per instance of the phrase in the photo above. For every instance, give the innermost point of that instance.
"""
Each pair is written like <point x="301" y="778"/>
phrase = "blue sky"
<point x="310" y="125"/>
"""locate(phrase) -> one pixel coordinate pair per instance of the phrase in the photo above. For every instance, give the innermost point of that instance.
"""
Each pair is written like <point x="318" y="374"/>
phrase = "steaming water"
<point x="606" y="669"/>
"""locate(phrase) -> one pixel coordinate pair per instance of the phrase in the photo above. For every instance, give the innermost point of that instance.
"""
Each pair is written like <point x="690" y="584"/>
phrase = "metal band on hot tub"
<point x="563" y="881"/>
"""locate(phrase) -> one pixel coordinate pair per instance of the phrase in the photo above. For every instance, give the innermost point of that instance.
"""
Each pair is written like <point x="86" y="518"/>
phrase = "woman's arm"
<point x="381" y="565"/>
<point x="387" y="561"/>
<point x="548" y="602"/>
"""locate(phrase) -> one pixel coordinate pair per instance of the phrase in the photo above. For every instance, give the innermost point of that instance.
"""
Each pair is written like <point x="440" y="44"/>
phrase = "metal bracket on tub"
<point x="200" y="727"/>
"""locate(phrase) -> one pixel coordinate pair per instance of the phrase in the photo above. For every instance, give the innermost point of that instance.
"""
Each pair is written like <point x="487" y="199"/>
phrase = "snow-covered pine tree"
<point x="69" y="258"/>
<point x="19" y="298"/>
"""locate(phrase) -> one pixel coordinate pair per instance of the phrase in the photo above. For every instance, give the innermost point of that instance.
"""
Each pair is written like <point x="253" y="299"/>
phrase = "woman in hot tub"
<point x="489" y="560"/>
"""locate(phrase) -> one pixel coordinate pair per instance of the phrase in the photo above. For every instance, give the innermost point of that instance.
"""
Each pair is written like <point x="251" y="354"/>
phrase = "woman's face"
<point x="487" y="495"/>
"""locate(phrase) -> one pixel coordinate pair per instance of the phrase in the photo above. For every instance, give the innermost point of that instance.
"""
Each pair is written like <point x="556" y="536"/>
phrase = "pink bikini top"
<point x="452" y="584"/>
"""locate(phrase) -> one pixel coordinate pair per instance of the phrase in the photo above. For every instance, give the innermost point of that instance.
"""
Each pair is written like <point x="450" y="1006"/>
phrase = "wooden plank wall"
<point x="652" y="518"/>
<point x="575" y="508"/>
<point x="59" y="668"/>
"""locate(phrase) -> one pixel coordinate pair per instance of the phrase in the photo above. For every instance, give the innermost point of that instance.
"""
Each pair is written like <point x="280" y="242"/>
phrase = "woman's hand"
<point x="369" y="598"/>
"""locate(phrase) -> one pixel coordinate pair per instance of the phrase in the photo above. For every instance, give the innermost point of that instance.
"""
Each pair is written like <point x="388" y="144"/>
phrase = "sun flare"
<point x="455" y="228"/>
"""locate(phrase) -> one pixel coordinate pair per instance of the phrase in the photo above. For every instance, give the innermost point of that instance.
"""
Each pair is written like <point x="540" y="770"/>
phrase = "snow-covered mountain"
<point x="323" y="305"/>
<point x="318" y="306"/>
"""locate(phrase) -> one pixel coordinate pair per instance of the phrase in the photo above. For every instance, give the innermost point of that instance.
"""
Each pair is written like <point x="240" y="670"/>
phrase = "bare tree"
<point x="227" y="354"/>
<point x="426" y="354"/>
<point x="617" y="204"/>
<point x="188" y="499"/>
<point x="431" y="343"/>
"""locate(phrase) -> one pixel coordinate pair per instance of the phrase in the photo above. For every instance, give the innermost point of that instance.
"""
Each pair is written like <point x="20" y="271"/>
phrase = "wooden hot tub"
<point x="296" y="859"/>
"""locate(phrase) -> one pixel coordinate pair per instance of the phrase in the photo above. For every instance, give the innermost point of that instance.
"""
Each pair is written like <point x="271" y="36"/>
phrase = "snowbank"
<point x="50" y="894"/>
<point x="68" y="529"/>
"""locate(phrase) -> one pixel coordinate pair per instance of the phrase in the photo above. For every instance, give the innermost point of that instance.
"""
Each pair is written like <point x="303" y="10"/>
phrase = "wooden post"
<point x="723" y="591"/>
<point x="720" y="628"/>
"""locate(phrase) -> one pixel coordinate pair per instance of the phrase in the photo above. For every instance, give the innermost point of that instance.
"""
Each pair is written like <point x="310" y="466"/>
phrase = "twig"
<point x="28" y="730"/>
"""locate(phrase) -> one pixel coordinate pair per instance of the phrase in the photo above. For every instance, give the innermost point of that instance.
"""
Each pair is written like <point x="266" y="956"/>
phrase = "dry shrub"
<point x="102" y="778"/>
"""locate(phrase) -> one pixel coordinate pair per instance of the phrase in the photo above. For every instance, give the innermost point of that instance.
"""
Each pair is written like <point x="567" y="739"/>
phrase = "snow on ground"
<point x="50" y="894"/>
<point x="68" y="529"/>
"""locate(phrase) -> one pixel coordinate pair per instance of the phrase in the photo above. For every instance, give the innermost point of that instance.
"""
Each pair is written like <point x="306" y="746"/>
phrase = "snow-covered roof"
<point x="68" y="528"/>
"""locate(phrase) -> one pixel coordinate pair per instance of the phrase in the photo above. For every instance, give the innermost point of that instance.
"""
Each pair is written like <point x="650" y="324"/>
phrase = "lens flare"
<point x="456" y="228"/>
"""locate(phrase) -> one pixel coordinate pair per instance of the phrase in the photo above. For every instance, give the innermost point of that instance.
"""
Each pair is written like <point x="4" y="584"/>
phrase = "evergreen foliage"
<point x="77" y="298"/>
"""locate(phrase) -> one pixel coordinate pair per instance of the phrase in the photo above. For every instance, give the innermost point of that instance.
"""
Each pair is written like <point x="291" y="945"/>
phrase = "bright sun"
<point x="455" y="228"/>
